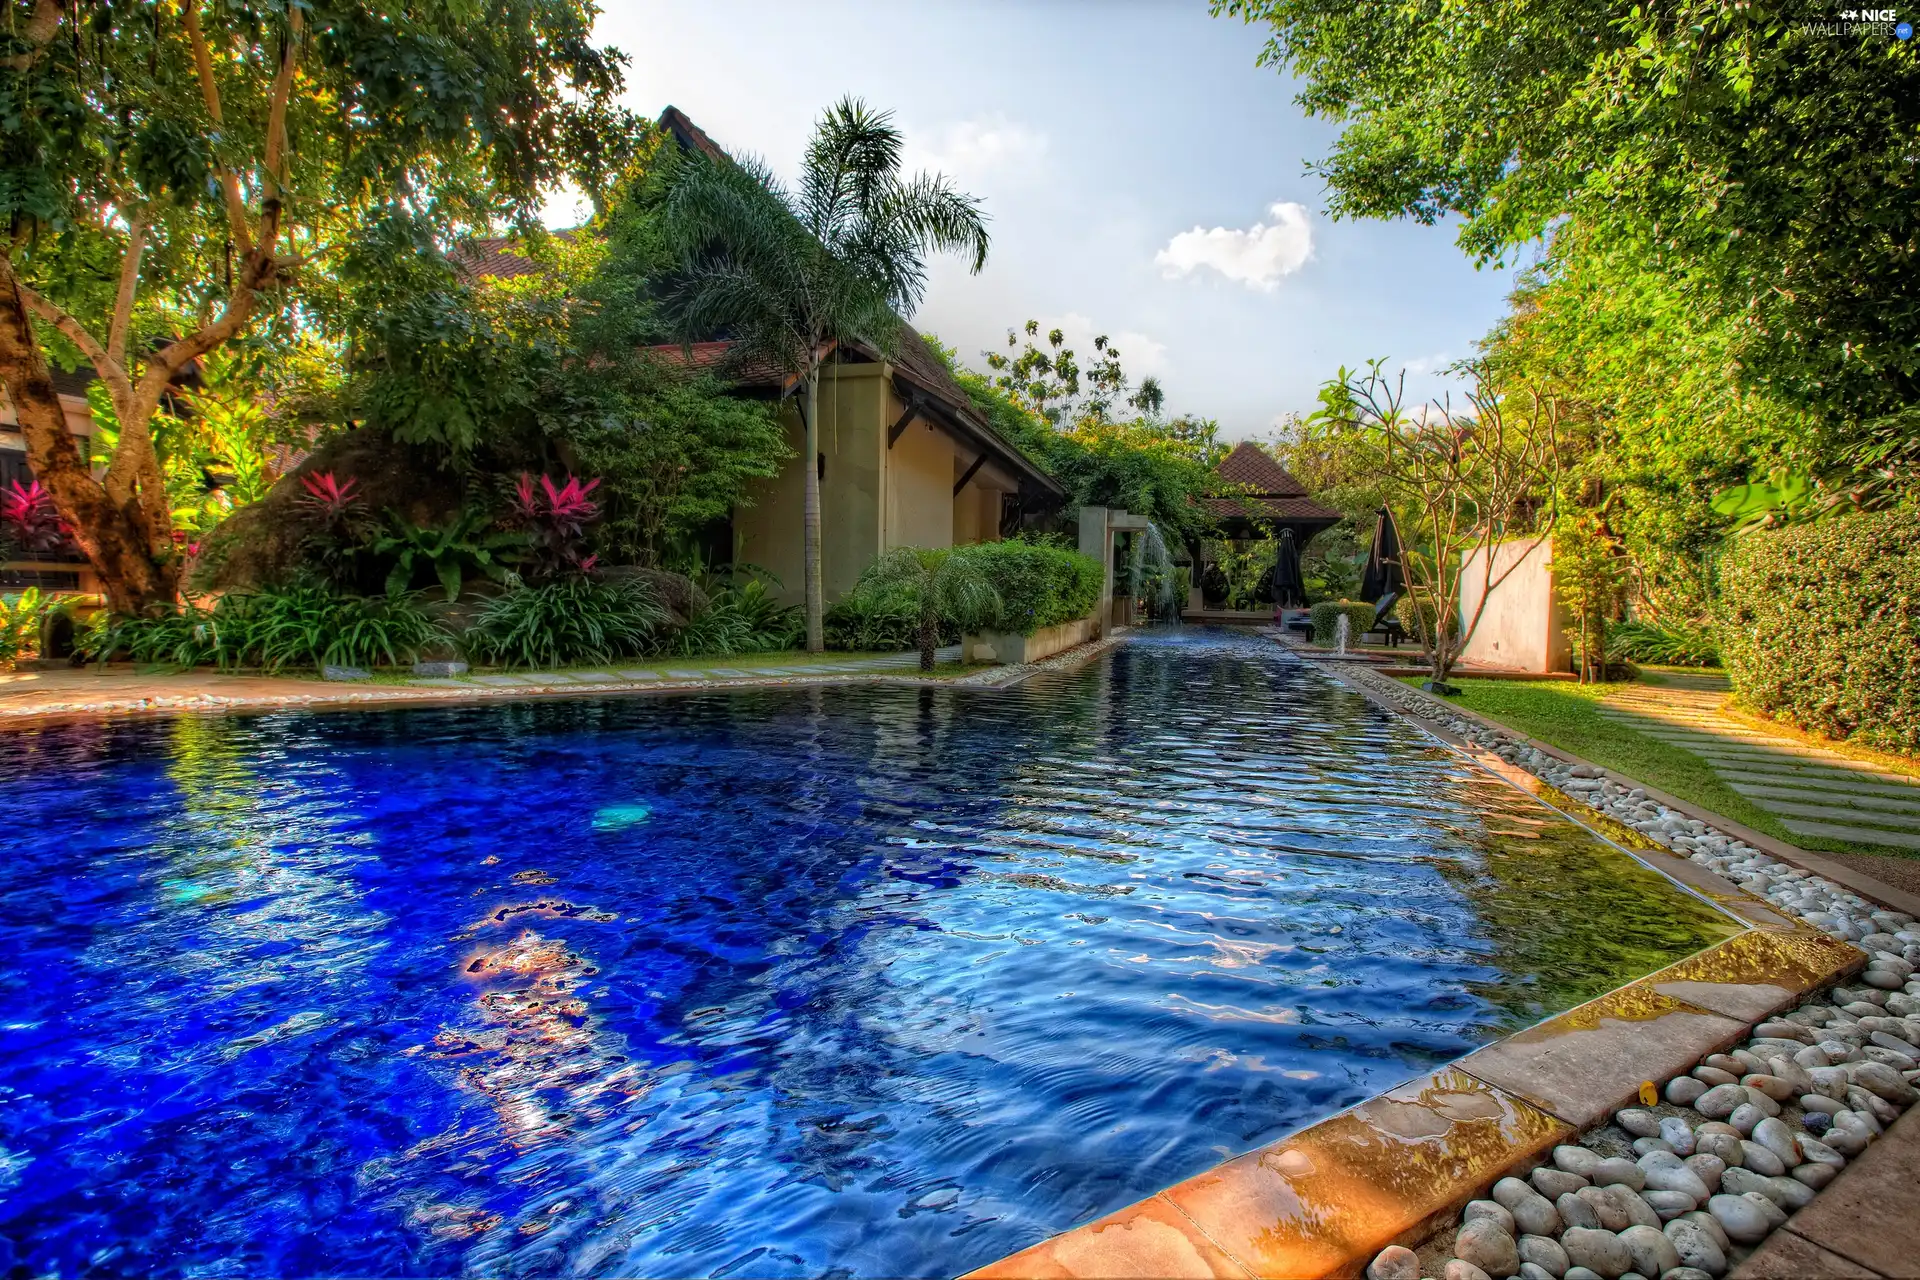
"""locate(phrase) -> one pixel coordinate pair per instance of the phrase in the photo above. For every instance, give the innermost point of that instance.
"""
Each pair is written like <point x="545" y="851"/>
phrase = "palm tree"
<point x="935" y="583"/>
<point x="790" y="274"/>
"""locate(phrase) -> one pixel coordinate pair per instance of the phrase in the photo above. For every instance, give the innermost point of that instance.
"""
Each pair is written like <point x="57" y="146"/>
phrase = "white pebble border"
<point x="1670" y="1192"/>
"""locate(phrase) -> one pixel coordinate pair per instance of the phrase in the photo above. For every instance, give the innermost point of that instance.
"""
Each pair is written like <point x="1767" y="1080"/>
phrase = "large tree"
<point x="171" y="172"/>
<point x="789" y="274"/>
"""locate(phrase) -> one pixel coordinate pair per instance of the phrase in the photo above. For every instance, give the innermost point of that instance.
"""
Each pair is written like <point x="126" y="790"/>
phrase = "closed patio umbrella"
<point x="1289" y="588"/>
<point x="1383" y="573"/>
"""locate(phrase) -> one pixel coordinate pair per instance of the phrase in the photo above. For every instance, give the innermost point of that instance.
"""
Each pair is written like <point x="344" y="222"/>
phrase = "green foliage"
<point x="302" y="624"/>
<point x="938" y="585"/>
<point x="1820" y="626"/>
<point x="1588" y="574"/>
<point x="1326" y="616"/>
<point x="1048" y="383"/>
<point x="879" y="622"/>
<point x="1651" y="644"/>
<point x="740" y="617"/>
<point x="1698" y="137"/>
<point x="451" y="553"/>
<point x="20" y="619"/>
<point x="565" y="621"/>
<point x="1037" y="584"/>
<point x="675" y="458"/>
<point x="1244" y="565"/>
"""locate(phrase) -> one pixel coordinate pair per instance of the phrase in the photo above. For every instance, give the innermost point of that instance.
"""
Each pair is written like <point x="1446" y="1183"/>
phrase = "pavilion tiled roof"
<point x="1265" y="490"/>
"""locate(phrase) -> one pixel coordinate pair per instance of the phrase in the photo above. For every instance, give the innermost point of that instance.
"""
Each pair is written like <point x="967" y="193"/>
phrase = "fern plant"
<point x="454" y="551"/>
<point x="565" y="621"/>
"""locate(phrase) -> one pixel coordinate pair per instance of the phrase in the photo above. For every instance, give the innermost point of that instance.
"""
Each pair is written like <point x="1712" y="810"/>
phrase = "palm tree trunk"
<point x="810" y="545"/>
<point x="929" y="636"/>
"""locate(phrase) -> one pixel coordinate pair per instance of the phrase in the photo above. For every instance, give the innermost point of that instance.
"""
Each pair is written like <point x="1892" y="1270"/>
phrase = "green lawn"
<point x="1566" y="715"/>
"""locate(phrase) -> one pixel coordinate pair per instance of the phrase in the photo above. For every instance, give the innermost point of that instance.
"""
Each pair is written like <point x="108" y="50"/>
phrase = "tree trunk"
<point x="134" y="559"/>
<point x="929" y="636"/>
<point x="810" y="547"/>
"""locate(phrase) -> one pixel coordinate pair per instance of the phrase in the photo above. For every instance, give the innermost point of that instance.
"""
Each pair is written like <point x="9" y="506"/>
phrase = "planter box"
<point x="1009" y="648"/>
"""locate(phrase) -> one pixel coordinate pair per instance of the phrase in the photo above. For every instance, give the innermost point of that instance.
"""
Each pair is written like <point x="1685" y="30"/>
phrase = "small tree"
<point x="794" y="273"/>
<point x="1458" y="485"/>
<point x="1588" y="569"/>
<point x="936" y="584"/>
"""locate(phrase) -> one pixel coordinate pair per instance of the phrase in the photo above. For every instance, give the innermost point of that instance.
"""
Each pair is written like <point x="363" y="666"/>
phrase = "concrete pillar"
<point x="1097" y="541"/>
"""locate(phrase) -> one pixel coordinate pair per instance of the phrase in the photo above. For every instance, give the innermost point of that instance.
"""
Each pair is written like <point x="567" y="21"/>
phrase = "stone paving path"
<point x="1812" y="791"/>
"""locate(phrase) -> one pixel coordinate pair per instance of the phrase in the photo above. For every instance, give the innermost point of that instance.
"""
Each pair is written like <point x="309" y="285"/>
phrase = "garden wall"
<point x="1011" y="647"/>
<point x="1820" y="626"/>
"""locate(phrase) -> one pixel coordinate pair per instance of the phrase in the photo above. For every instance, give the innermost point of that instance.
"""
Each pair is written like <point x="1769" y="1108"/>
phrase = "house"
<point x="905" y="460"/>
<point x="1256" y="498"/>
<point x="63" y="568"/>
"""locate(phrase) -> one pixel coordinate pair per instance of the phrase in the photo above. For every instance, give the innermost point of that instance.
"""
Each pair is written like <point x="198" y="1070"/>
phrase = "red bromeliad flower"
<point x="329" y="496"/>
<point x="557" y="515"/>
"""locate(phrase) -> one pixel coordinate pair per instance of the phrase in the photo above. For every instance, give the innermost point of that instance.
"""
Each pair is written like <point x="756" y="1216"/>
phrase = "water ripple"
<point x="863" y="981"/>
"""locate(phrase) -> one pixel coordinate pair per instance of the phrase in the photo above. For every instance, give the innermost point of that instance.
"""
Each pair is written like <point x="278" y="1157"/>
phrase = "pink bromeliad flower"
<point x="28" y="509"/>
<point x="329" y="496"/>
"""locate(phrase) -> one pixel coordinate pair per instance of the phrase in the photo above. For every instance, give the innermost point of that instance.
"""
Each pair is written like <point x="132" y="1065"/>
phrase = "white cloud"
<point x="1257" y="257"/>
<point x="976" y="148"/>
<point x="1140" y="355"/>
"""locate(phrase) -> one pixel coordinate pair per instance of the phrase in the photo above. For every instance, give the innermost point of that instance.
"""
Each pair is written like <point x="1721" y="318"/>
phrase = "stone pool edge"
<point x="404" y="696"/>
<point x="1396" y="1168"/>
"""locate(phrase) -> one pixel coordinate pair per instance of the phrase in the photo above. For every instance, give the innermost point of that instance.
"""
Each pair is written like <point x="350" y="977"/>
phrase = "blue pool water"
<point x="862" y="981"/>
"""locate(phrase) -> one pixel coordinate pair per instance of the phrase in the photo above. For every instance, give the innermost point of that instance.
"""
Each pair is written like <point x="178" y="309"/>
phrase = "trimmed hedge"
<point x="1325" y="617"/>
<point x="1820" y="626"/>
<point x="1039" y="585"/>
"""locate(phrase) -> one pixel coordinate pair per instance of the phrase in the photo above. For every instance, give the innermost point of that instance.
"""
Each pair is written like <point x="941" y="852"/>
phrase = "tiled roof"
<point x="1255" y="468"/>
<point x="493" y="258"/>
<point x="715" y="358"/>
<point x="690" y="135"/>
<point x="1254" y="506"/>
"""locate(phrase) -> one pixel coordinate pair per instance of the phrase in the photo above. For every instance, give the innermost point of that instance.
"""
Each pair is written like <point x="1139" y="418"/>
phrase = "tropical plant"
<point x="1656" y="644"/>
<point x="792" y="274"/>
<point x="20" y="619"/>
<point x="452" y="552"/>
<point x="339" y="525"/>
<point x="1048" y="383"/>
<point x="555" y="518"/>
<point x="878" y="622"/>
<point x="1589" y="573"/>
<point x="28" y="518"/>
<point x="304" y="624"/>
<point x="1459" y="484"/>
<point x="740" y="617"/>
<point x="158" y="209"/>
<point x="567" y="620"/>
<point x="936" y="584"/>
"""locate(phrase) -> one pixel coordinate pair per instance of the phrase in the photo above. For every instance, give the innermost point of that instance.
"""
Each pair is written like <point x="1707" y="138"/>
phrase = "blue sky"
<point x="1144" y="178"/>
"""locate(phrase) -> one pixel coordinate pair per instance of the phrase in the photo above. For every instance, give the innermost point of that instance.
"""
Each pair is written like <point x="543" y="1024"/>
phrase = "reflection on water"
<point x="858" y="981"/>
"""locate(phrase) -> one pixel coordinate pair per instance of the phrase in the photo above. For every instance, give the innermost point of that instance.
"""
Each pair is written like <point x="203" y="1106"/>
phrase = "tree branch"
<point x="36" y="34"/>
<point x="129" y="285"/>
<point x="277" y="109"/>
<point x="210" y="94"/>
<point x="109" y="369"/>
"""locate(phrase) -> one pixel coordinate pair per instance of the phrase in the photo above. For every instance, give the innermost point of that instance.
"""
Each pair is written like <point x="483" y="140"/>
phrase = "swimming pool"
<point x="857" y="980"/>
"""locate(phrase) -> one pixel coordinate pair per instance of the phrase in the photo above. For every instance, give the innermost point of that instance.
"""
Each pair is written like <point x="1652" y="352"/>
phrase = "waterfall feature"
<point x="1150" y="577"/>
<point x="1342" y="632"/>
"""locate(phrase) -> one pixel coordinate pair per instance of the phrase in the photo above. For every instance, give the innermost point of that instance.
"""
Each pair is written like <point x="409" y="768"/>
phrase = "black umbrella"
<point x="1383" y="573"/>
<point x="1289" y="589"/>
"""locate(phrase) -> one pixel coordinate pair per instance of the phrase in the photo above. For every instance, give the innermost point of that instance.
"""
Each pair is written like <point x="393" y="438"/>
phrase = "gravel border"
<point x="1683" y="1187"/>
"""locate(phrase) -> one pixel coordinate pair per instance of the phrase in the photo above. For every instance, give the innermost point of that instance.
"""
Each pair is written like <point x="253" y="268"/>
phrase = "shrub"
<point x="1039" y="584"/>
<point x="567" y="620"/>
<point x="1326" y="619"/>
<point x="20" y="618"/>
<point x="740" y="618"/>
<point x="1649" y="642"/>
<point x="939" y="585"/>
<point x="1820" y="626"/>
<point x="300" y="624"/>
<point x="878" y="622"/>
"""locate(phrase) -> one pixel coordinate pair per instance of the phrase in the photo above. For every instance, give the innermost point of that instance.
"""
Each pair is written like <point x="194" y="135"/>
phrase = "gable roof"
<point x="1266" y="491"/>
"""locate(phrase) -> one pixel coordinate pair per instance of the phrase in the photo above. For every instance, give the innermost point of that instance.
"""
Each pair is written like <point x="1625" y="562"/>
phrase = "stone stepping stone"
<point x="688" y="675"/>
<point x="595" y="677"/>
<point x="1857" y="835"/>
<point x="1756" y="755"/>
<point x="1804" y="778"/>
<point x="730" y="672"/>
<point x="1843" y="813"/>
<point x="500" y="681"/>
<point x="440" y="682"/>
<point x="639" y="675"/>
<point x="1807" y="795"/>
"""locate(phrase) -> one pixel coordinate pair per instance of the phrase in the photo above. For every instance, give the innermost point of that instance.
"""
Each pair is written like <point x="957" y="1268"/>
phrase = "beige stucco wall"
<point x="1524" y="625"/>
<point x="767" y="532"/>
<point x="919" y="485"/>
<point x="976" y="509"/>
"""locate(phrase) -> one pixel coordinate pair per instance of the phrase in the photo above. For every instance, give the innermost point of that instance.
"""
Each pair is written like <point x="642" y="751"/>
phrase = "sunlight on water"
<point x="867" y="981"/>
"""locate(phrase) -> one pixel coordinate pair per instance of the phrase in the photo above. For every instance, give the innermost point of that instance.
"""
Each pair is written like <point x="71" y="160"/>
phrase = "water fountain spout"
<point x="1342" y="629"/>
